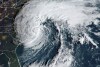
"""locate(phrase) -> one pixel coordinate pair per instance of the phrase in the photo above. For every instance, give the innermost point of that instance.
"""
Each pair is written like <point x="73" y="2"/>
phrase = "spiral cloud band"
<point x="45" y="24"/>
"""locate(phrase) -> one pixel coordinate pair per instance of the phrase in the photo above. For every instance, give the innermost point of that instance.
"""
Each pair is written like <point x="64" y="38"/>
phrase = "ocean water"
<point x="59" y="34"/>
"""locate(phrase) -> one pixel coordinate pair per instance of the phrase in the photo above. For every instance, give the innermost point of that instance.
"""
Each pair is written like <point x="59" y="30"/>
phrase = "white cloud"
<point x="36" y="12"/>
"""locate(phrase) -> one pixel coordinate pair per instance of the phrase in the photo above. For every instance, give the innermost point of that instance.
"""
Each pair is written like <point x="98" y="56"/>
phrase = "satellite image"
<point x="49" y="33"/>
